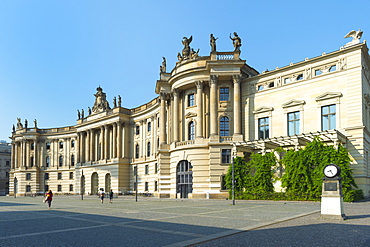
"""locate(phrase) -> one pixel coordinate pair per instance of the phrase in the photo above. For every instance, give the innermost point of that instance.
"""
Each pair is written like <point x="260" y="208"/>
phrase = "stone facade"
<point x="5" y="149"/>
<point x="208" y="109"/>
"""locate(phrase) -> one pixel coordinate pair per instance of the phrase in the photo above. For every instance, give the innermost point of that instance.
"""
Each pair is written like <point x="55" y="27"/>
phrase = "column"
<point x="35" y="153"/>
<point x="237" y="112"/>
<point x="92" y="141"/>
<point x="213" y="104"/>
<point x="114" y="147"/>
<point x="106" y="142"/>
<point x="119" y="140"/>
<point x="175" y="115"/>
<point x="24" y="153"/>
<point x="78" y="149"/>
<point x="199" y="130"/>
<point x="162" y="119"/>
<point x="13" y="155"/>
<point x="102" y="142"/>
<point x="83" y="149"/>
<point x="88" y="157"/>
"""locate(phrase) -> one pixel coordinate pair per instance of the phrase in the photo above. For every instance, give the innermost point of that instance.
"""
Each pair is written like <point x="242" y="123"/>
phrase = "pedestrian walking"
<point x="49" y="198"/>
<point x="101" y="195"/>
<point x="111" y="196"/>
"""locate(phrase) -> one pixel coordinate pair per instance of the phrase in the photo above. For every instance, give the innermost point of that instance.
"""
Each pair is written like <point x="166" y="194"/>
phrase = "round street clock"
<point x="331" y="170"/>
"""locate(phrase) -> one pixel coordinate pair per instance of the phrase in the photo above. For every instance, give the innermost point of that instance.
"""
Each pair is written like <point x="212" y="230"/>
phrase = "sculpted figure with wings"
<point x="355" y="35"/>
<point x="186" y="42"/>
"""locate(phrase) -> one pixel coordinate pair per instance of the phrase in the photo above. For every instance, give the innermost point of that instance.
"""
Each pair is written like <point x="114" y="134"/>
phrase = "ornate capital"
<point x="213" y="79"/>
<point x="199" y="84"/>
<point x="236" y="78"/>
<point x="176" y="92"/>
<point x="163" y="95"/>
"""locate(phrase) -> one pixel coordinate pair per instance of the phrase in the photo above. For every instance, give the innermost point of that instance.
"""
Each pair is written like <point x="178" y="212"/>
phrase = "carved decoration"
<point x="263" y="109"/>
<point x="101" y="103"/>
<point x="190" y="115"/>
<point x="237" y="78"/>
<point x="199" y="84"/>
<point x="293" y="102"/>
<point x="212" y="41"/>
<point x="19" y="124"/>
<point x="237" y="42"/>
<point x="213" y="79"/>
<point x="355" y="35"/>
<point x="328" y="95"/>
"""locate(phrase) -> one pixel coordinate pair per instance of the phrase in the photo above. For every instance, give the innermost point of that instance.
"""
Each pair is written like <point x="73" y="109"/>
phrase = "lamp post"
<point x="82" y="185"/>
<point x="233" y="155"/>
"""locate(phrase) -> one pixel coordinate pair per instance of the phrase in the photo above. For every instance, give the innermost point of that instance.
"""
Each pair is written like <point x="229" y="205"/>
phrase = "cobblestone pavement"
<point x="25" y="221"/>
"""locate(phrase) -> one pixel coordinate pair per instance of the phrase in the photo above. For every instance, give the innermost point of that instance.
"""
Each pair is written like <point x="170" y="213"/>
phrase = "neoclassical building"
<point x="208" y="109"/>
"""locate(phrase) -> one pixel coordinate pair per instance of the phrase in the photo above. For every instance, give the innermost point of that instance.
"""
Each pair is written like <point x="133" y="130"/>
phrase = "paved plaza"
<point x="25" y="221"/>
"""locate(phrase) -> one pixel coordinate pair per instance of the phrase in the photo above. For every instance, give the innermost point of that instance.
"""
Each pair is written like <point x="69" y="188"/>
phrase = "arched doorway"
<point x="107" y="182"/>
<point x="184" y="175"/>
<point x="94" y="183"/>
<point x="15" y="186"/>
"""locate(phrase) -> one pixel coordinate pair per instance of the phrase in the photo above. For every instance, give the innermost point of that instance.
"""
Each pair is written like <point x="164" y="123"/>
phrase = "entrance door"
<point x="184" y="178"/>
<point x="94" y="183"/>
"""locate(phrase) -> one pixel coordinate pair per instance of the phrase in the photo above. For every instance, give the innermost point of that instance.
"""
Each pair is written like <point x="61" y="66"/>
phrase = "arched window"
<point x="224" y="126"/>
<point x="148" y="150"/>
<point x="47" y="161"/>
<point x="191" y="131"/>
<point x="137" y="151"/>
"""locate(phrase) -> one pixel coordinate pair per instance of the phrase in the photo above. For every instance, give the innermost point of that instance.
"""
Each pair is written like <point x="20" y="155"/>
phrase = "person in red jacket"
<point x="49" y="198"/>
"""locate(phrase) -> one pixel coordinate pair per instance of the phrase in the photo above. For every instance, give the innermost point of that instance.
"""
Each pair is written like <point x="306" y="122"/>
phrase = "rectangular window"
<point x="46" y="188"/>
<point x="226" y="156"/>
<point x="7" y="163"/>
<point x="6" y="174"/>
<point x="328" y="117"/>
<point x="31" y="161"/>
<point x="263" y="128"/>
<point x="60" y="145"/>
<point x="149" y="126"/>
<point x="28" y="188"/>
<point x="137" y="130"/>
<point x="70" y="175"/>
<point x="46" y="176"/>
<point x="224" y="94"/>
<point x="155" y="168"/>
<point x="191" y="101"/>
<point x="146" y="186"/>
<point x="28" y="176"/>
<point x="59" y="187"/>
<point x="293" y="123"/>
<point x="156" y="186"/>
<point x="72" y="143"/>
<point x="71" y="187"/>
<point x="48" y="146"/>
<point x="135" y="170"/>
<point x="146" y="169"/>
<point x="59" y="175"/>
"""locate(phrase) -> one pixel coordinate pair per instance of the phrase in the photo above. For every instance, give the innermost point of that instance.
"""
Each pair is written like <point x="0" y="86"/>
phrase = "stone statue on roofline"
<point x="119" y="101"/>
<point x="186" y="42"/>
<point x="355" y="35"/>
<point x="212" y="41"/>
<point x="237" y="42"/>
<point x="101" y="103"/>
<point x="163" y="67"/>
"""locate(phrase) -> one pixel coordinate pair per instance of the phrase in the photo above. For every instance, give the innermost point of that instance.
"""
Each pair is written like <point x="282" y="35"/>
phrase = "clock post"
<point x="332" y="197"/>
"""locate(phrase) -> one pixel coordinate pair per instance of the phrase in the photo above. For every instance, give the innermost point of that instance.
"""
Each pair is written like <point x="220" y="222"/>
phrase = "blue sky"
<point x="53" y="54"/>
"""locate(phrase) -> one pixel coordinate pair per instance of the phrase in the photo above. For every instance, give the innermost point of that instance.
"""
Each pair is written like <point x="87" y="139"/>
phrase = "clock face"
<point x="330" y="171"/>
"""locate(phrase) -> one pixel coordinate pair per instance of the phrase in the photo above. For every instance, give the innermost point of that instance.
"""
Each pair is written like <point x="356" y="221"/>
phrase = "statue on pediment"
<point x="101" y="103"/>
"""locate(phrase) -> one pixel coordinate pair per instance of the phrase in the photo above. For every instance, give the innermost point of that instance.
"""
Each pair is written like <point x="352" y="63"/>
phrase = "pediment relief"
<point x="190" y="114"/>
<point x="293" y="102"/>
<point x="263" y="109"/>
<point x="329" y="95"/>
